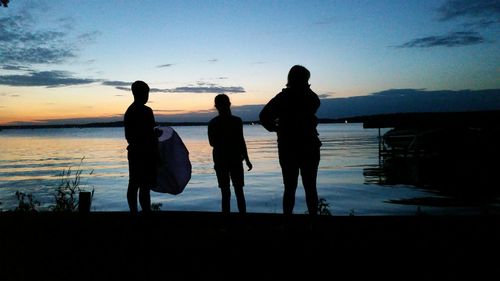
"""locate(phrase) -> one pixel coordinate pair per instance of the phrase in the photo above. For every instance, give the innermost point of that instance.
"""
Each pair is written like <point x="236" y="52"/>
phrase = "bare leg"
<point x="290" y="178"/>
<point x="145" y="199"/>
<point x="226" y="197"/>
<point x="240" y="198"/>
<point x="309" y="181"/>
<point x="309" y="173"/>
<point x="132" y="197"/>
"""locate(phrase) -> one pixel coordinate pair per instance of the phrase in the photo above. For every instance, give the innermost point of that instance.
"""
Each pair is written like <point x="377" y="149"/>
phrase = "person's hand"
<point x="249" y="165"/>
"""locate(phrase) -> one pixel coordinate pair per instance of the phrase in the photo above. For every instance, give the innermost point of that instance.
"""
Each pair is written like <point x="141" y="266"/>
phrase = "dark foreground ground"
<point x="209" y="246"/>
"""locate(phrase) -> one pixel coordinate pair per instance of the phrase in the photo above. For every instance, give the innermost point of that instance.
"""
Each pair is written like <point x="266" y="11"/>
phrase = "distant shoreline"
<point x="392" y="120"/>
<point x="120" y="124"/>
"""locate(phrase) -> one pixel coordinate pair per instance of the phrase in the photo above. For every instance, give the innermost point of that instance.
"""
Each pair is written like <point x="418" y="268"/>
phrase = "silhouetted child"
<point x="292" y="114"/>
<point x="142" y="148"/>
<point x="225" y="134"/>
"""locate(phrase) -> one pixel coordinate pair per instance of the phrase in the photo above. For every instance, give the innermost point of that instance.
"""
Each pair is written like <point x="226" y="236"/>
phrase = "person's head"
<point x="298" y="76"/>
<point x="140" y="90"/>
<point x="222" y="103"/>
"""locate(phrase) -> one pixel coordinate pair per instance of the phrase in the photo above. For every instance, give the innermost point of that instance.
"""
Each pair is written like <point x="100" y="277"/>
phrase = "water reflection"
<point x="349" y="176"/>
<point x="451" y="180"/>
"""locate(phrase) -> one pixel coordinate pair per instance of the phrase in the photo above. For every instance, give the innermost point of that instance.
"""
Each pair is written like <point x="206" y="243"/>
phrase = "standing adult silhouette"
<point x="142" y="148"/>
<point x="225" y="134"/>
<point x="292" y="115"/>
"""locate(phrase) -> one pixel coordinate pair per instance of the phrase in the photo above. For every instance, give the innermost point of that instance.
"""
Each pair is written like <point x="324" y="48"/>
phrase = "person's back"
<point x="139" y="126"/>
<point x="226" y="139"/>
<point x="225" y="135"/>
<point x="295" y="108"/>
<point x="292" y="115"/>
<point x="142" y="148"/>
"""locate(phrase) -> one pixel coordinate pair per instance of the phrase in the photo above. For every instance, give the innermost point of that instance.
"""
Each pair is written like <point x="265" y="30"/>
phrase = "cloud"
<point x="202" y="87"/>
<point x="210" y="89"/>
<point x="213" y="60"/>
<point x="476" y="9"/>
<point x="168" y="111"/>
<point x="473" y="14"/>
<point x="13" y="67"/>
<point x="481" y="24"/>
<point x="117" y="83"/>
<point x="53" y="78"/>
<point x="22" y="41"/>
<point x="165" y="65"/>
<point x="410" y="100"/>
<point x="326" y="95"/>
<point x="453" y="39"/>
<point x="9" y="95"/>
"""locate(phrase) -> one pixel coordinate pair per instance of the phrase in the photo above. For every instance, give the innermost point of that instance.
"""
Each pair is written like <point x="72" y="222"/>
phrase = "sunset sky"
<point x="63" y="60"/>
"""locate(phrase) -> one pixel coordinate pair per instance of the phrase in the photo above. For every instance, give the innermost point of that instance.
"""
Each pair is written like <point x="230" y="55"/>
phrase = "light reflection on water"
<point x="31" y="160"/>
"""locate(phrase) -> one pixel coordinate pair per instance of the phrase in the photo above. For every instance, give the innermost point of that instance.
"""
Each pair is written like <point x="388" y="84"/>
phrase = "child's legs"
<point x="132" y="196"/>
<point x="240" y="198"/>
<point x="238" y="183"/>
<point x="145" y="199"/>
<point x="290" y="180"/>
<point x="309" y="172"/>
<point x="224" y="185"/>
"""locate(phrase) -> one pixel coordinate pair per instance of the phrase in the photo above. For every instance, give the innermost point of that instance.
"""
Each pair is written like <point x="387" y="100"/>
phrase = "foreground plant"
<point x="156" y="206"/>
<point x="68" y="191"/>
<point x="27" y="203"/>
<point x="323" y="207"/>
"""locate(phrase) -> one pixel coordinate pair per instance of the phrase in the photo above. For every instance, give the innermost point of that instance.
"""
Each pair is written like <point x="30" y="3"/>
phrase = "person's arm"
<point x="151" y="124"/>
<point x="130" y="130"/>
<point x="269" y="115"/>
<point x="243" y="145"/>
<point x="126" y="127"/>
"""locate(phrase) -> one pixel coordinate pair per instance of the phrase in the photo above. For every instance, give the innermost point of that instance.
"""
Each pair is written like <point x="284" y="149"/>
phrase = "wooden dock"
<point x="440" y="147"/>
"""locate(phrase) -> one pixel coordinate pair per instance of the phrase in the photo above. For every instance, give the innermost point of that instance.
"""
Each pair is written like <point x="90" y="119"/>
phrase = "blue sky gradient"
<point x="74" y="59"/>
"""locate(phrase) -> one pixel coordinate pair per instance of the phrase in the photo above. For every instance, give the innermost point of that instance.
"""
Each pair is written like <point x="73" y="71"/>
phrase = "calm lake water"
<point x="31" y="161"/>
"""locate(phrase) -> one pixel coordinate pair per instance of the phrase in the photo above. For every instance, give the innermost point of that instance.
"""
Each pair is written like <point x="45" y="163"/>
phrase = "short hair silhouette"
<point x="222" y="102"/>
<point x="298" y="76"/>
<point x="139" y="89"/>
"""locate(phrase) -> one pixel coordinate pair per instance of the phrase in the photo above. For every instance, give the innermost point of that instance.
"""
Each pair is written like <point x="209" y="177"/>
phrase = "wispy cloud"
<point x="54" y="78"/>
<point x="470" y="15"/>
<point x="23" y="42"/>
<point x="325" y="95"/>
<point x="201" y="87"/>
<point x="117" y="83"/>
<point x="477" y="9"/>
<point x="167" y="111"/>
<point x="210" y="89"/>
<point x="214" y="60"/>
<point x="9" y="95"/>
<point x="453" y="39"/>
<point x="14" y="67"/>
<point x="165" y="65"/>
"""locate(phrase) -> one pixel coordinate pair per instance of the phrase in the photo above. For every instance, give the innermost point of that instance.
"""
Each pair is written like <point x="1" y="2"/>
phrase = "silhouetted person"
<point x="292" y="115"/>
<point x="142" y="148"/>
<point x="225" y="134"/>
